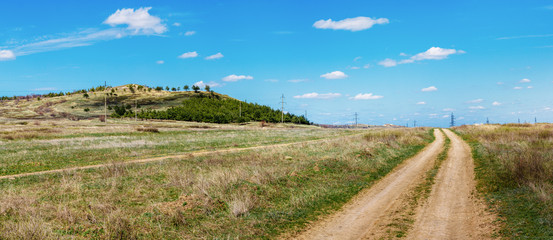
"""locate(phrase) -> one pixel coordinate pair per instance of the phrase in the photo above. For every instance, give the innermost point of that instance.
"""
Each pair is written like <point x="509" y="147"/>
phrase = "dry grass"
<point x="252" y="194"/>
<point x="514" y="168"/>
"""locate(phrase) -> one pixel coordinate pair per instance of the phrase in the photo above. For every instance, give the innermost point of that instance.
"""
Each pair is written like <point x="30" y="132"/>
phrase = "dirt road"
<point x="362" y="217"/>
<point x="452" y="211"/>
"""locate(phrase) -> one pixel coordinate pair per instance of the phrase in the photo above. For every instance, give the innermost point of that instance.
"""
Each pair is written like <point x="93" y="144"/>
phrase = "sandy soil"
<point x="452" y="211"/>
<point x="363" y="217"/>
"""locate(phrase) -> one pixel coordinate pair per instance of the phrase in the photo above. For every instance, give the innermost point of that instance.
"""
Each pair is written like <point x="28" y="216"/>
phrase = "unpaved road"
<point x="361" y="217"/>
<point x="452" y="211"/>
<point x="156" y="159"/>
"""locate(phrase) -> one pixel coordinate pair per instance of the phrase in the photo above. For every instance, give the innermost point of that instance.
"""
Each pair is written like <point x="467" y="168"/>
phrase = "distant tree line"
<point x="213" y="109"/>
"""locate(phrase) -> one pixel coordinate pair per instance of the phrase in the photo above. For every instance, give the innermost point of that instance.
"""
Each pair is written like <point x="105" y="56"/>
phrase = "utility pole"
<point x="487" y="121"/>
<point x="452" y="123"/>
<point x="535" y="120"/>
<point x="414" y="123"/>
<point x="282" y="108"/>
<point x="518" y="120"/>
<point x="356" y="119"/>
<point x="105" y="103"/>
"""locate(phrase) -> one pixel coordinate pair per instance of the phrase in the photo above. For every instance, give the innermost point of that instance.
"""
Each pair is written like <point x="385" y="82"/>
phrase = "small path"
<point x="452" y="210"/>
<point x="364" y="216"/>
<point x="156" y="159"/>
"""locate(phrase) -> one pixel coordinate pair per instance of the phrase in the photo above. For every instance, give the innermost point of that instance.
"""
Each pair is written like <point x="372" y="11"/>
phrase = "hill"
<point x="147" y="102"/>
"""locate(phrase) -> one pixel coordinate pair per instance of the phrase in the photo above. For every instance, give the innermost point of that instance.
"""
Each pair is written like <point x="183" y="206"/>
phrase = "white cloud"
<point x="6" y="55"/>
<point x="140" y="21"/>
<point x="297" y="80"/>
<point x="177" y="24"/>
<point x="429" y="89"/>
<point x="500" y="83"/>
<point x="477" y="107"/>
<point x="189" y="55"/>
<point x="525" y="80"/>
<point x="476" y="100"/>
<point x="354" y="67"/>
<point x="496" y="103"/>
<point x="189" y="33"/>
<point x="366" y="96"/>
<point x="315" y="95"/>
<point x="214" y="56"/>
<point x="357" y="58"/>
<point x="448" y="109"/>
<point x="433" y="53"/>
<point x="160" y="62"/>
<point x="421" y="103"/>
<point x="445" y="116"/>
<point x="234" y="78"/>
<point x="529" y="87"/>
<point x="271" y="80"/>
<point x="334" y="75"/>
<point x="201" y="84"/>
<point x="351" y="24"/>
<point x="367" y="66"/>
<point x="388" y="62"/>
<point x="517" y="88"/>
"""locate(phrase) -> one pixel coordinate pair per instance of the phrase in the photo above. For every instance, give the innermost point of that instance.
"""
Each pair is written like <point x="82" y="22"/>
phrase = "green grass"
<point x="524" y="212"/>
<point x="55" y="152"/>
<point x="251" y="195"/>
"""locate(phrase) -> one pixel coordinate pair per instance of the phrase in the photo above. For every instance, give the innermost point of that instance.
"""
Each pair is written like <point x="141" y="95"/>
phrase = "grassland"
<point x="514" y="169"/>
<point x="46" y="145"/>
<point x="250" y="194"/>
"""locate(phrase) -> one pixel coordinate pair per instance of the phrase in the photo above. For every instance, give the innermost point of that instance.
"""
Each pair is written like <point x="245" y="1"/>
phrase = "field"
<point x="253" y="193"/>
<point x="514" y="169"/>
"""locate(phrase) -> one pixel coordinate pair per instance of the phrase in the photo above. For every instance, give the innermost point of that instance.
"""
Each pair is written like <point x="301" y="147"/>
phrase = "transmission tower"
<point x="356" y="119"/>
<point x="487" y="121"/>
<point x="452" y="123"/>
<point x="282" y="108"/>
<point x="414" y="123"/>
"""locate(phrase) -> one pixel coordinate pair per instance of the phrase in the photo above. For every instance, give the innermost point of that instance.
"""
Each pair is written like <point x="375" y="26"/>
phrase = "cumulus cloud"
<point x="160" y="62"/>
<point x="476" y="100"/>
<point x="351" y="24"/>
<point x="388" y="62"/>
<point x="139" y="20"/>
<point x="517" y="88"/>
<point x="429" y="89"/>
<point x="189" y="55"/>
<point x="189" y="33"/>
<point x="6" y="55"/>
<point x="525" y="80"/>
<point x="201" y="84"/>
<point x="214" y="56"/>
<point x="496" y="103"/>
<point x="421" y="103"/>
<point x="433" y="53"/>
<point x="334" y="75"/>
<point x="177" y="24"/>
<point x="315" y="95"/>
<point x="477" y="107"/>
<point x="234" y="78"/>
<point x="366" y="96"/>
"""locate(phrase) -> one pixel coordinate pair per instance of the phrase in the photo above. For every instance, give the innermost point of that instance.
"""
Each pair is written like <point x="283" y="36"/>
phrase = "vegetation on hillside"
<point x="514" y="169"/>
<point x="213" y="109"/>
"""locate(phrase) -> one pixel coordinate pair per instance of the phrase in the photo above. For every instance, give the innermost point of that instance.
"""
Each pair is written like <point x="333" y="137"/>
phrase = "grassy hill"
<point x="86" y="104"/>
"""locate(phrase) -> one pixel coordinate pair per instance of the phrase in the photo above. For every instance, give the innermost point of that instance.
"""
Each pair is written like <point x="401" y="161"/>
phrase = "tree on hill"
<point x="173" y="89"/>
<point x="166" y="88"/>
<point x="186" y="88"/>
<point x="86" y="95"/>
<point x="207" y="88"/>
<point x="195" y="88"/>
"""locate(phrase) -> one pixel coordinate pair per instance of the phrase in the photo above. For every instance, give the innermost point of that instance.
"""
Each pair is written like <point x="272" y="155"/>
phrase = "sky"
<point x="391" y="62"/>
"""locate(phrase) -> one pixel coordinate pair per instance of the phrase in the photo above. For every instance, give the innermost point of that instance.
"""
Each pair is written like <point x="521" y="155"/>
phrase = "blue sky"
<point x="389" y="61"/>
